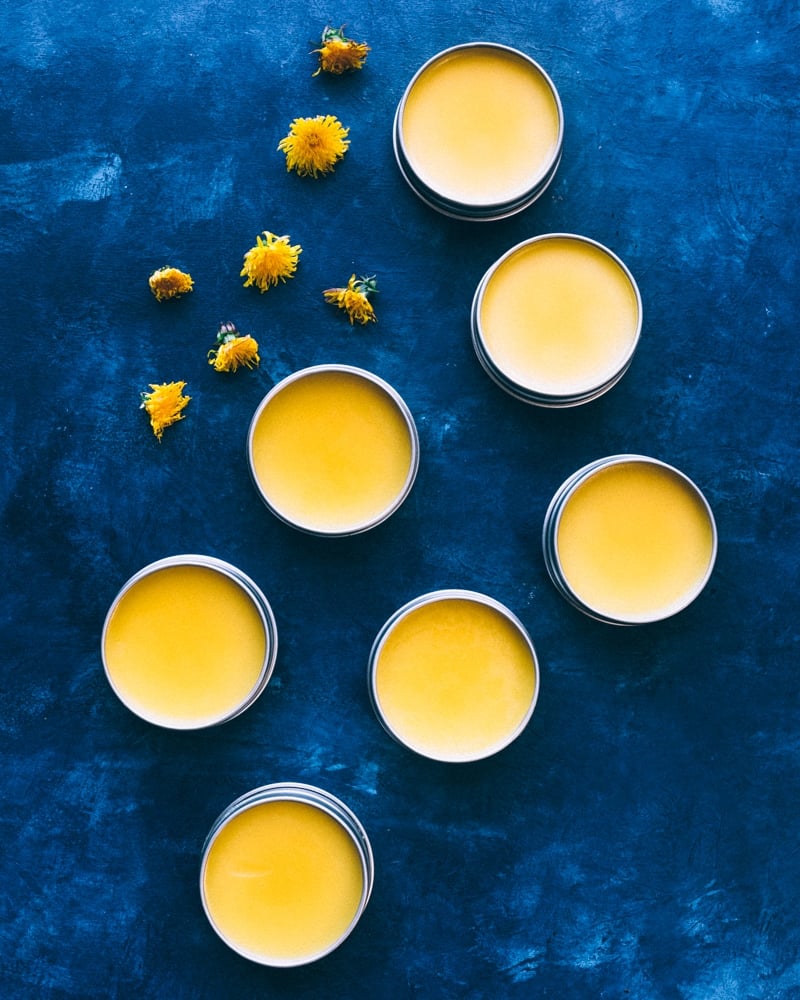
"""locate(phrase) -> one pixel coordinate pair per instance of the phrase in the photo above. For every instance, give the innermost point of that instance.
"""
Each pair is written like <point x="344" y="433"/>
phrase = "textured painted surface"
<point x="639" y="839"/>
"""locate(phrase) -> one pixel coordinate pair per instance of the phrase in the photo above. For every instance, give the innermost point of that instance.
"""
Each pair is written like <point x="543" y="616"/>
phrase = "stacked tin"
<point x="477" y="207"/>
<point x="526" y="385"/>
<point x="615" y="541"/>
<point x="261" y="867"/>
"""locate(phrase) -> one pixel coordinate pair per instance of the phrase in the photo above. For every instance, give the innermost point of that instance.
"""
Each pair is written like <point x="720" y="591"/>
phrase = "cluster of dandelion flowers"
<point x="233" y="350"/>
<point x="170" y="283"/>
<point x="164" y="404"/>
<point x="354" y="299"/>
<point x="272" y="259"/>
<point x="339" y="54"/>
<point x="314" y="145"/>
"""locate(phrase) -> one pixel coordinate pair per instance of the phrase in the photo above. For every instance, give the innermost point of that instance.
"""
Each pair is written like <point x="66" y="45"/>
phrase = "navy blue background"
<point x="639" y="840"/>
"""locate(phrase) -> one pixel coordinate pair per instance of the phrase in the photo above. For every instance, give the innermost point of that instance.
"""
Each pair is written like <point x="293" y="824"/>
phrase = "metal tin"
<point x="402" y="410"/>
<point x="260" y="605"/>
<point x="541" y="174"/>
<point x="530" y="393"/>
<point x="319" y="799"/>
<point x="428" y="599"/>
<point x="552" y="522"/>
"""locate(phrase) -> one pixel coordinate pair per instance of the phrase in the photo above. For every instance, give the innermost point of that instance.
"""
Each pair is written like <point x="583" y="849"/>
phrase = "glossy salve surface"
<point x="332" y="450"/>
<point x="559" y="316"/>
<point x="454" y="676"/>
<point x="282" y="882"/>
<point x="634" y="540"/>
<point x="638" y="840"/>
<point x="184" y="645"/>
<point x="480" y="125"/>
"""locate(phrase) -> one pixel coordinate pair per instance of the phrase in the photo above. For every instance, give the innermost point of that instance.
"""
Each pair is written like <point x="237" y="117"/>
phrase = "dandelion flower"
<point x="354" y="299"/>
<point x="233" y="350"/>
<point x="314" y="145"/>
<point x="271" y="259"/>
<point x="164" y="405"/>
<point x="169" y="283"/>
<point x="339" y="54"/>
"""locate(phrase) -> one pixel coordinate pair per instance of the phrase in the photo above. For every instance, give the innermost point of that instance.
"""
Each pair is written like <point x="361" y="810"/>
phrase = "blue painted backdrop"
<point x="639" y="840"/>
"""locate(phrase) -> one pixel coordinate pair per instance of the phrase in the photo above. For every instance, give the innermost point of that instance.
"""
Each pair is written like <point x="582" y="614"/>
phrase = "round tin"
<point x="590" y="385"/>
<point x="327" y="804"/>
<point x="553" y="556"/>
<point x="393" y="405"/>
<point x="491" y="686"/>
<point x="260" y="606"/>
<point x="434" y="190"/>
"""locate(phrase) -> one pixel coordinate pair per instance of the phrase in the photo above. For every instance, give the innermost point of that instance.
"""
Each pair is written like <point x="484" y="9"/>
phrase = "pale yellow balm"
<point x="455" y="679"/>
<point x="481" y="125"/>
<point x="283" y="882"/>
<point x="635" y="541"/>
<point x="184" y="646"/>
<point x="559" y="315"/>
<point x="332" y="451"/>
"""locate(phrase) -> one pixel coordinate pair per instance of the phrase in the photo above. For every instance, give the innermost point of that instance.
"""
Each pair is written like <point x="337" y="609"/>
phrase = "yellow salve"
<point x="635" y="541"/>
<point x="559" y="316"/>
<point x="455" y="679"/>
<point x="331" y="451"/>
<point x="282" y="882"/>
<point x="480" y="125"/>
<point x="184" y="646"/>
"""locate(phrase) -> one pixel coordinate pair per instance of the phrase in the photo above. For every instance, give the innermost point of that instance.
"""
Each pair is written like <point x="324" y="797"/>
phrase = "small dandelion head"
<point x="169" y="283"/>
<point x="314" y="145"/>
<point x="271" y="260"/>
<point x="233" y="351"/>
<point x="164" y="405"/>
<point x="339" y="54"/>
<point x="354" y="299"/>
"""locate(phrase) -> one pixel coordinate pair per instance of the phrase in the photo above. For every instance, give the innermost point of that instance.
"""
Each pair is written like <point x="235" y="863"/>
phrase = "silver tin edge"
<point x="260" y="603"/>
<point x="405" y="412"/>
<point x="478" y="211"/>
<point x="528" y="394"/>
<point x="428" y="598"/>
<point x="553" y="518"/>
<point x="312" y="795"/>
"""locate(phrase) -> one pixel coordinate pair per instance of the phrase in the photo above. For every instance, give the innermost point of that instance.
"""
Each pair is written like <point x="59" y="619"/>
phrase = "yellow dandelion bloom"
<point x="233" y="350"/>
<point x="271" y="259"/>
<point x="169" y="283"/>
<point x="164" y="405"/>
<point x="354" y="299"/>
<point x="339" y="54"/>
<point x="314" y="145"/>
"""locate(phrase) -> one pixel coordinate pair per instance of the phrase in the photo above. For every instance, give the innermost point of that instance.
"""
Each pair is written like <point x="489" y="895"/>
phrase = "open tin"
<point x="629" y="540"/>
<point x="556" y="320"/>
<point x="333" y="450"/>
<point x="478" y="132"/>
<point x="189" y="641"/>
<point x="453" y="675"/>
<point x="309" y="874"/>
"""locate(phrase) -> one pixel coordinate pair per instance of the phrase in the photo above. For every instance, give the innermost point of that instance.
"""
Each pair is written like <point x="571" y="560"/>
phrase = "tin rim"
<point x="319" y="798"/>
<point x="529" y="393"/>
<point x="457" y="210"/>
<point x="552" y="521"/>
<point x="478" y="211"/>
<point x="430" y="598"/>
<point x="261" y="605"/>
<point x="402" y="408"/>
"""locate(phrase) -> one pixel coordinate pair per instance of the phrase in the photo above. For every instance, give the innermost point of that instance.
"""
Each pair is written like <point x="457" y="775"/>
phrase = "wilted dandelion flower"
<point x="338" y="53"/>
<point x="314" y="145"/>
<point x="163" y="404"/>
<point x="270" y="260"/>
<point x="233" y="350"/>
<point x="354" y="299"/>
<point x="169" y="283"/>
